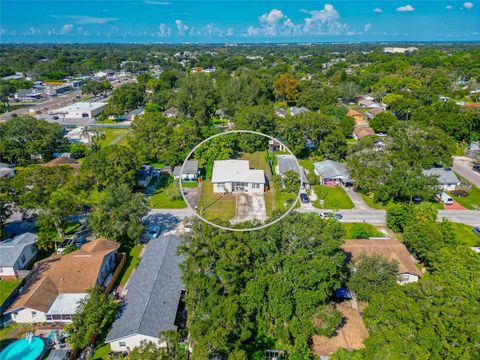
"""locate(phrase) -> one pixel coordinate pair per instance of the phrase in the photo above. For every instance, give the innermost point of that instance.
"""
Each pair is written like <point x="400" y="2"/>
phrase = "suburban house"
<point x="332" y="173"/>
<point x="145" y="175"/>
<point x="356" y="115"/>
<point x="236" y="176"/>
<point x="55" y="286"/>
<point x="294" y="111"/>
<point x="359" y="132"/>
<point x="289" y="163"/>
<point x="154" y="294"/>
<point x="6" y="171"/>
<point x="132" y="115"/>
<point x="16" y="254"/>
<point x="388" y="248"/>
<point x="82" y="109"/>
<point x="473" y="150"/>
<point x="190" y="171"/>
<point x="170" y="112"/>
<point x="371" y="113"/>
<point x="379" y="145"/>
<point x="447" y="179"/>
<point x="280" y="112"/>
<point x="79" y="135"/>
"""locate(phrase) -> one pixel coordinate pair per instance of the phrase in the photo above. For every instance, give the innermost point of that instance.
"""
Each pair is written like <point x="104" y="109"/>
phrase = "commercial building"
<point x="82" y="109"/>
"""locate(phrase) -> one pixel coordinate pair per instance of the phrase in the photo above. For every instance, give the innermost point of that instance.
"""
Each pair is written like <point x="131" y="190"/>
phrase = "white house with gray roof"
<point x="447" y="179"/>
<point x="332" y="173"/>
<point x="189" y="173"/>
<point x="153" y="296"/>
<point x="16" y="254"/>
<point x="236" y="176"/>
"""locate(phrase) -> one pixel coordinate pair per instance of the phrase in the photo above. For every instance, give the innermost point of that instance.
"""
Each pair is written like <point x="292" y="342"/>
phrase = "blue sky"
<point x="238" y="21"/>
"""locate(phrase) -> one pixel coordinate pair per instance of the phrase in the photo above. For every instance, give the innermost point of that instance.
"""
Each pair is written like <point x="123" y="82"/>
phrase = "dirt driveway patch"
<point x="250" y="207"/>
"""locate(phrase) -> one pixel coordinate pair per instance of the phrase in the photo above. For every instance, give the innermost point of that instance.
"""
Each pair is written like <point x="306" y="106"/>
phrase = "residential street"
<point x="463" y="166"/>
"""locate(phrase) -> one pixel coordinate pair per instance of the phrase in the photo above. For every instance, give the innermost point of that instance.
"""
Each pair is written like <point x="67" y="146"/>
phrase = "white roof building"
<point x="82" y="109"/>
<point x="236" y="176"/>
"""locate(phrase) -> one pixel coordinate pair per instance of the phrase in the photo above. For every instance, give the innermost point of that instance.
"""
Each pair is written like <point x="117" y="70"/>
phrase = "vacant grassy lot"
<point x="465" y="234"/>
<point x="334" y="197"/>
<point x="6" y="288"/>
<point x="361" y="231"/>
<point x="282" y="198"/>
<point x="216" y="206"/>
<point x="110" y="135"/>
<point x="368" y="199"/>
<point x="472" y="200"/>
<point x="161" y="198"/>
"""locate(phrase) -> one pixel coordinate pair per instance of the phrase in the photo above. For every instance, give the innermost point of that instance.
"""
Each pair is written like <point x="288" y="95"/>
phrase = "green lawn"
<point x="257" y="160"/>
<point x="368" y="199"/>
<point x="334" y="197"/>
<point x="361" y="231"/>
<point x="131" y="262"/>
<point x="281" y="199"/>
<point x="465" y="234"/>
<point x="472" y="200"/>
<point x="7" y="287"/>
<point x="216" y="206"/>
<point x="161" y="199"/>
<point x="110" y="135"/>
<point x="307" y="164"/>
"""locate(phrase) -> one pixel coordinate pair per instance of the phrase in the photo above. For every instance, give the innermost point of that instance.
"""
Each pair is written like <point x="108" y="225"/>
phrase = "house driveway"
<point x="454" y="206"/>
<point x="250" y="207"/>
<point x="357" y="199"/>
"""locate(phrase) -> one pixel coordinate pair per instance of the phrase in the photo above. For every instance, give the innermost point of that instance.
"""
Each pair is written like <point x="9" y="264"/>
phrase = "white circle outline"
<point x="236" y="229"/>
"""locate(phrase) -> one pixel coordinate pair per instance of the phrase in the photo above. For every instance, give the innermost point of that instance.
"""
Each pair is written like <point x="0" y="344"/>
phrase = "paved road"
<point x="463" y="167"/>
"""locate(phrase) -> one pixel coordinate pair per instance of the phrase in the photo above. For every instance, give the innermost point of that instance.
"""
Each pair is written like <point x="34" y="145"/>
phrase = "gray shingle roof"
<point x="191" y="167"/>
<point x="11" y="249"/>
<point x="330" y="169"/>
<point x="444" y="176"/>
<point x="153" y="292"/>
<point x="288" y="163"/>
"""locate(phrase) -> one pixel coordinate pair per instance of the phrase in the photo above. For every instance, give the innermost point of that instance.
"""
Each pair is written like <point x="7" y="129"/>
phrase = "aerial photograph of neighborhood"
<point x="239" y="180"/>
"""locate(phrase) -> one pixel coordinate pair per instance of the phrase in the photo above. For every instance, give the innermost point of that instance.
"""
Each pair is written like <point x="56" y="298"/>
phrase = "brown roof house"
<point x="63" y="161"/>
<point x="388" y="248"/>
<point x="356" y="115"/>
<point x="359" y="132"/>
<point x="350" y="336"/>
<point x="52" y="291"/>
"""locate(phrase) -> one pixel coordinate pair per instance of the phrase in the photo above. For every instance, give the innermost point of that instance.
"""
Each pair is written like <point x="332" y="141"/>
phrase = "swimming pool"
<point x="23" y="349"/>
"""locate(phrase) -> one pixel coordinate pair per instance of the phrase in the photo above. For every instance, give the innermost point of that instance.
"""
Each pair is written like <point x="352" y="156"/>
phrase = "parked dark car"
<point x="476" y="168"/>
<point x="14" y="115"/>
<point x="417" y="199"/>
<point x="476" y="230"/>
<point x="304" y="198"/>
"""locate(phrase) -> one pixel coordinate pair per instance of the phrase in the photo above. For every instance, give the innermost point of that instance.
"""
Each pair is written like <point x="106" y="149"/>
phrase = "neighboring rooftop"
<point x="11" y="249"/>
<point x="363" y="131"/>
<point x="191" y="167"/>
<point x="225" y="171"/>
<point x="63" y="160"/>
<point x="329" y="169"/>
<point x="153" y="292"/>
<point x="81" y="106"/>
<point x="289" y="163"/>
<point x="444" y="176"/>
<point x="66" y="304"/>
<point x="75" y="272"/>
<point x="388" y="248"/>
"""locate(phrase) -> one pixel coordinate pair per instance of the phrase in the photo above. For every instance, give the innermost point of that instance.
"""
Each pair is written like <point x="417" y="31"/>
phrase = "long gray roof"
<point x="153" y="292"/>
<point x="191" y="167"/>
<point x="288" y="163"/>
<point x="444" y="176"/>
<point x="330" y="169"/>
<point x="11" y="249"/>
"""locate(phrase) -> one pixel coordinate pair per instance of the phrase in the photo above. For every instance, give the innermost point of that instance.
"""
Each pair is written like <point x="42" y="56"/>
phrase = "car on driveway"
<point x="153" y="232"/>
<point x="476" y="230"/>
<point x="304" y="198"/>
<point x="476" y="168"/>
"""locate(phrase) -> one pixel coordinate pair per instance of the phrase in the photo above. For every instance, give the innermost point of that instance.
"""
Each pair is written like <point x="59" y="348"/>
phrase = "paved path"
<point x="250" y="207"/>
<point x="463" y="167"/>
<point x="357" y="199"/>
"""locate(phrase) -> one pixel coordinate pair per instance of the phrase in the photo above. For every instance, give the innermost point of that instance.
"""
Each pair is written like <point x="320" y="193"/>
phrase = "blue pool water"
<point x="23" y="349"/>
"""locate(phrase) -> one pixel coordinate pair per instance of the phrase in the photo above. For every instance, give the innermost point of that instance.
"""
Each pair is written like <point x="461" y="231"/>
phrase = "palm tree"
<point x="87" y="133"/>
<point x="97" y="136"/>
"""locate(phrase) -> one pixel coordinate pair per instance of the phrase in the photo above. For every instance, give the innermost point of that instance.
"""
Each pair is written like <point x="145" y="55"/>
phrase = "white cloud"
<point x="66" y="29"/>
<point x="83" y="19"/>
<point x="273" y="23"/>
<point x="181" y="27"/>
<point x="367" y="27"/>
<point x="377" y="10"/>
<point x="449" y="7"/>
<point x="406" y="8"/>
<point x="164" y="30"/>
<point x="468" y="5"/>
<point x="324" y="22"/>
